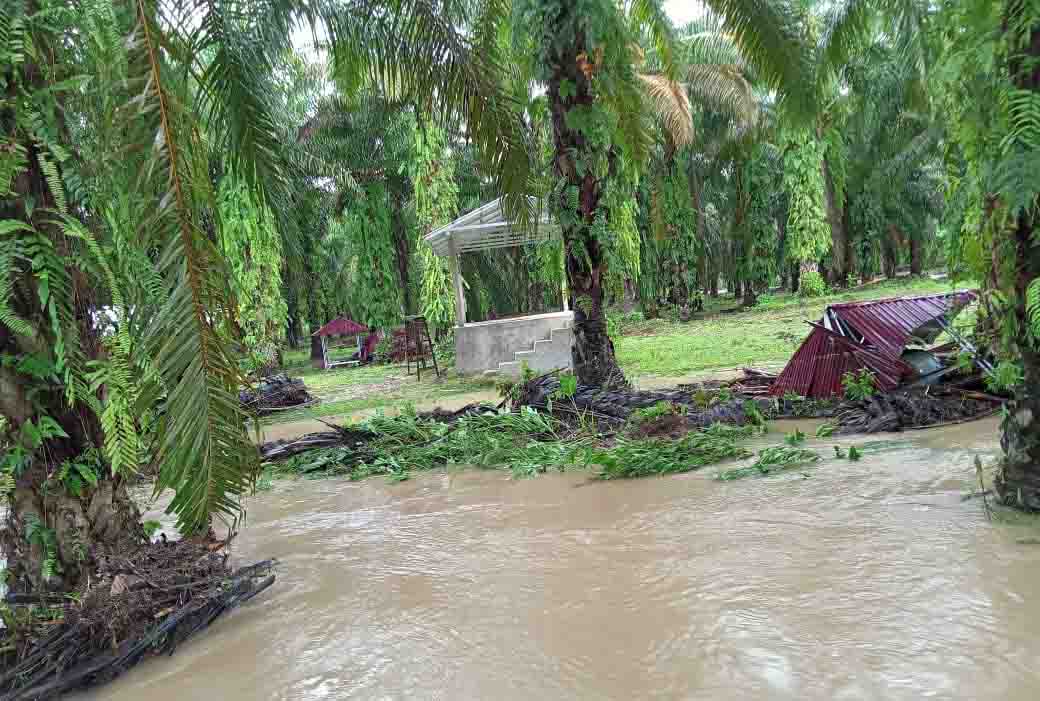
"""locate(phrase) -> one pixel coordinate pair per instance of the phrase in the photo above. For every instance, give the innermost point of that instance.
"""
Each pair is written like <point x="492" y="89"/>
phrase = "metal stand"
<point x="417" y="333"/>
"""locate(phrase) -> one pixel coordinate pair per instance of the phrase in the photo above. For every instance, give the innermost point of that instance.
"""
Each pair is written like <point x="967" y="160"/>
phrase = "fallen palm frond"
<point x="527" y="442"/>
<point x="771" y="460"/>
<point x="643" y="458"/>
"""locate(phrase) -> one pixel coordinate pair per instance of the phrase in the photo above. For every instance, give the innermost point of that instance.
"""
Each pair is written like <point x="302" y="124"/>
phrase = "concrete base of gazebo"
<point x="543" y="341"/>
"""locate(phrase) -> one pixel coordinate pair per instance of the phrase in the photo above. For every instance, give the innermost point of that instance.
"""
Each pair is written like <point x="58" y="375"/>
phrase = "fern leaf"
<point x="1033" y="307"/>
<point x="10" y="252"/>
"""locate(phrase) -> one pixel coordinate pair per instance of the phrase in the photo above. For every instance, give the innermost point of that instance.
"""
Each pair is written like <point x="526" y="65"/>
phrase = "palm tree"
<point x="69" y="258"/>
<point x="990" y="92"/>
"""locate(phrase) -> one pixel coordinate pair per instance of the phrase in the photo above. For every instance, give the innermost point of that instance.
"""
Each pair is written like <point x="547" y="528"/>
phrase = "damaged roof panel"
<point x="869" y="335"/>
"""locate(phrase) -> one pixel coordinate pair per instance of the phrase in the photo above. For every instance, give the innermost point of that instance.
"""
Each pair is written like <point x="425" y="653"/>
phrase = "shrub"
<point x="811" y="284"/>
<point x="619" y="323"/>
<point x="859" y="386"/>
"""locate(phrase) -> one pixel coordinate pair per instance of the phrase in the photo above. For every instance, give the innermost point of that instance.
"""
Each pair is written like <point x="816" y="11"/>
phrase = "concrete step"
<point x="563" y="335"/>
<point x="509" y="369"/>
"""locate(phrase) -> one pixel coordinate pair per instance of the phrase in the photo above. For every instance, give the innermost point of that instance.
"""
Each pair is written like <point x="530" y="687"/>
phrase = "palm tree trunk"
<point x="54" y="530"/>
<point x="317" y="357"/>
<point x="840" y="258"/>
<point x="850" y="248"/>
<point x="916" y="254"/>
<point x="402" y="253"/>
<point x="586" y="261"/>
<point x="1018" y="481"/>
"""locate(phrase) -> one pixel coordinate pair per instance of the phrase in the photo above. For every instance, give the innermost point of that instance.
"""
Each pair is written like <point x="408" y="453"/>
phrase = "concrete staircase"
<point x="547" y="354"/>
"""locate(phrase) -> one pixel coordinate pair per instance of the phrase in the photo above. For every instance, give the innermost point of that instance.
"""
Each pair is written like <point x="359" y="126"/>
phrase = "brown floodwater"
<point x="845" y="580"/>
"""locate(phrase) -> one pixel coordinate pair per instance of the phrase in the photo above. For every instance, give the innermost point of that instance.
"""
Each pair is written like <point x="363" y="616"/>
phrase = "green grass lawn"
<point x="766" y="335"/>
<point x="347" y="390"/>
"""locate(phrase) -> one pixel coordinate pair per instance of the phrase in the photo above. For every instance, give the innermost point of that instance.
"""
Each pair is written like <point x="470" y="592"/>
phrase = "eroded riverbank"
<point x="869" y="579"/>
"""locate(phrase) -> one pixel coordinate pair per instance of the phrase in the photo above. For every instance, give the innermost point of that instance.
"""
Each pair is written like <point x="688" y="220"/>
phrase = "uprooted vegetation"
<point x="141" y="603"/>
<point x="770" y="461"/>
<point x="618" y="433"/>
<point x="524" y="441"/>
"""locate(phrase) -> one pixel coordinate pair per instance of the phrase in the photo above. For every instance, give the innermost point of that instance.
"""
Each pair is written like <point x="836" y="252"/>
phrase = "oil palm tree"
<point x="991" y="92"/>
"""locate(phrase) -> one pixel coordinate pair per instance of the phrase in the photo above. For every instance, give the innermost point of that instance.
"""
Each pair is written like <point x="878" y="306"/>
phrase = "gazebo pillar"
<point x="460" y="293"/>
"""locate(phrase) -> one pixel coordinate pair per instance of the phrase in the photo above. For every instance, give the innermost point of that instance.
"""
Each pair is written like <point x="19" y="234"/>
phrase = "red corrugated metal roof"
<point x="883" y="326"/>
<point x="889" y="323"/>
<point x="341" y="326"/>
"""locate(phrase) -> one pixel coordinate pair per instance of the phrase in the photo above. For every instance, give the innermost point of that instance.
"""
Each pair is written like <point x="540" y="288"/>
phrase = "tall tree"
<point x="991" y="91"/>
<point x="585" y="60"/>
<point x="113" y="288"/>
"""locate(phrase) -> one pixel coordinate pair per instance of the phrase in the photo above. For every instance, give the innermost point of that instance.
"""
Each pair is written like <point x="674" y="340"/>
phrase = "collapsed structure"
<point x="868" y="335"/>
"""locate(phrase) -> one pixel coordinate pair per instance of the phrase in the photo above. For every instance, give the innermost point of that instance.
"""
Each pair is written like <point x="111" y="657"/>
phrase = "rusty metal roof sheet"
<point x="868" y="335"/>
<point x="889" y="323"/>
<point x="341" y="326"/>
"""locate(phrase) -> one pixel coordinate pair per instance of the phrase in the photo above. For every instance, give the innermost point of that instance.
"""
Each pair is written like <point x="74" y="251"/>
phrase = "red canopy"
<point x="866" y="335"/>
<point x="341" y="326"/>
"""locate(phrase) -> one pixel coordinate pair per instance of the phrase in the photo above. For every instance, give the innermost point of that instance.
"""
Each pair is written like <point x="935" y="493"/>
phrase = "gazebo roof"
<point x="483" y="228"/>
<point x="341" y="326"/>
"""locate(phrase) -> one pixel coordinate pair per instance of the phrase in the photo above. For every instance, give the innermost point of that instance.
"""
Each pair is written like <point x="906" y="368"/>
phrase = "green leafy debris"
<point x="770" y="461"/>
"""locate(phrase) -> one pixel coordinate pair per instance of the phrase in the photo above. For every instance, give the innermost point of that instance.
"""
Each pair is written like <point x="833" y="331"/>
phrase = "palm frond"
<point x="415" y="50"/>
<point x="649" y="16"/>
<point x="771" y="36"/>
<point x="670" y="103"/>
<point x="205" y="455"/>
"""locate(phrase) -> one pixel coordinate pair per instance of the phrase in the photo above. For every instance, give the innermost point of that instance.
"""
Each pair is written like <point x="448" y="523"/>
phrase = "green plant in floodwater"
<point x="854" y="453"/>
<point x="826" y="430"/>
<point x="1006" y="376"/>
<point x="524" y="441"/>
<point x="151" y="527"/>
<point x="755" y="417"/>
<point x="655" y="411"/>
<point x="568" y="386"/>
<point x="771" y="460"/>
<point x="859" y="385"/>
<point x="263" y="482"/>
<point x="643" y="458"/>
<point x="795" y="438"/>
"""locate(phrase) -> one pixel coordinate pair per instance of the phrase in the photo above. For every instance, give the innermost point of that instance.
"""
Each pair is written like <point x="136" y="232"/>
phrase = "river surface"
<point x="846" y="580"/>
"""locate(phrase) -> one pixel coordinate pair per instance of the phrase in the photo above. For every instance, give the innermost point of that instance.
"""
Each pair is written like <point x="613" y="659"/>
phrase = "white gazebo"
<point x="543" y="341"/>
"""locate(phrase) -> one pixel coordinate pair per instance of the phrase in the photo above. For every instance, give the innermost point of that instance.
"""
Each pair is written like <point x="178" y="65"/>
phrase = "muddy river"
<point x="846" y="580"/>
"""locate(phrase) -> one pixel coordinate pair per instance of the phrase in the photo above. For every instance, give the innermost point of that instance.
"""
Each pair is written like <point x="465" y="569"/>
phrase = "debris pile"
<point x="615" y="406"/>
<point x="913" y="408"/>
<point x="142" y="603"/>
<point x="275" y="393"/>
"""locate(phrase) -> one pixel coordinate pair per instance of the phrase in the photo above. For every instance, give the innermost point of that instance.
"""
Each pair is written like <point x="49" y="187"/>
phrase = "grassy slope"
<point x="765" y="335"/>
